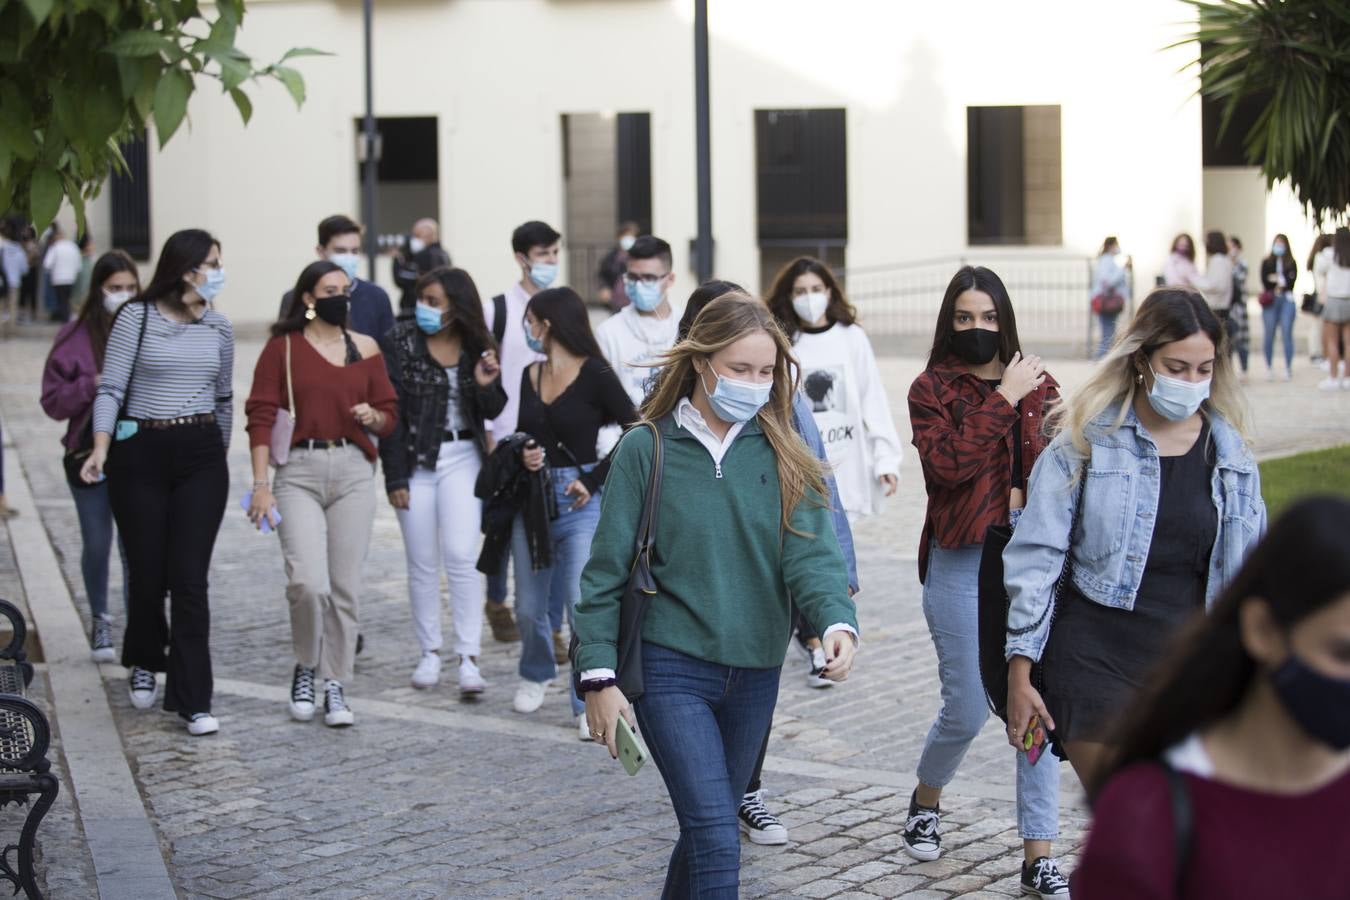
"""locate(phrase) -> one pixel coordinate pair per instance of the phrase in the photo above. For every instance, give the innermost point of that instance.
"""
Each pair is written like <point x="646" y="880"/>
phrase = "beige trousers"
<point x="327" y="503"/>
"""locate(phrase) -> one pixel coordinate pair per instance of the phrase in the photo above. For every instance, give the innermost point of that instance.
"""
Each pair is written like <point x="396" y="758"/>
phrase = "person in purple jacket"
<point x="69" y="381"/>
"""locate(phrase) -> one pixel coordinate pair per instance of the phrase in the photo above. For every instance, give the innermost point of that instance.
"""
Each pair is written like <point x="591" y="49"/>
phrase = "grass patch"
<point x="1285" y="480"/>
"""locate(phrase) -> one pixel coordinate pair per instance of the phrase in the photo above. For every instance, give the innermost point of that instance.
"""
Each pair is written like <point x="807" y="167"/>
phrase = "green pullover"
<point x="724" y="567"/>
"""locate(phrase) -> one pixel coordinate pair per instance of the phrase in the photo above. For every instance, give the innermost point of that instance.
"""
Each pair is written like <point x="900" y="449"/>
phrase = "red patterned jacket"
<point x="963" y="432"/>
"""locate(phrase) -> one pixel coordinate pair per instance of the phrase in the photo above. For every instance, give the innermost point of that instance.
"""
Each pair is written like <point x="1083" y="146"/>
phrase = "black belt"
<point x="313" y="444"/>
<point x="461" y="435"/>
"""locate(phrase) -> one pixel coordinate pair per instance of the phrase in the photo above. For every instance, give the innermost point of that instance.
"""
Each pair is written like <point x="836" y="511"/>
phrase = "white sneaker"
<point x="1288" y="375"/>
<point x="1270" y="374"/>
<point x="583" y="729"/>
<point x="529" y="696"/>
<point x="470" y="679"/>
<point x="336" y="712"/>
<point x="202" y="723"/>
<point x="428" y="671"/>
<point x="143" y="688"/>
<point x="1329" y="384"/>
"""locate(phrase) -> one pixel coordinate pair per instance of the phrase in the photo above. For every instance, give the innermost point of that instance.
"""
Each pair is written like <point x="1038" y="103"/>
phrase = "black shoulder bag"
<point x="499" y="319"/>
<point x="637" y="596"/>
<point x="994" y="604"/>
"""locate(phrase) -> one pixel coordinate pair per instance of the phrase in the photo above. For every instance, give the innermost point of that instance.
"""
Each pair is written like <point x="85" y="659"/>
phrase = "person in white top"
<point x="62" y="263"/>
<point x="537" y="246"/>
<point x="840" y="377"/>
<point x="634" y="338"/>
<point x="1332" y="267"/>
<point x="1180" y="265"/>
<point x="1216" y="285"/>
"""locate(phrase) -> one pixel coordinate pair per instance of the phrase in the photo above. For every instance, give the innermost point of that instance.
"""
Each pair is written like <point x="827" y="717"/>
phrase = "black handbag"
<point x="993" y="609"/>
<point x="637" y="597"/>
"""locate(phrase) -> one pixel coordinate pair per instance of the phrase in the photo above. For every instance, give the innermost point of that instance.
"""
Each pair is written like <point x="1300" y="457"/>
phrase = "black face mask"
<point x="1319" y="703"/>
<point x="976" y="346"/>
<point x="332" y="310"/>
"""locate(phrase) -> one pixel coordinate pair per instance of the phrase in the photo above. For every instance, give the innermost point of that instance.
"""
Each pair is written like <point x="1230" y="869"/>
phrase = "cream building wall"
<point x="498" y="74"/>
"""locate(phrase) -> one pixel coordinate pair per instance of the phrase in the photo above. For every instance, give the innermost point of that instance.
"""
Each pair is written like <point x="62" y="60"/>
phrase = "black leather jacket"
<point x="423" y="394"/>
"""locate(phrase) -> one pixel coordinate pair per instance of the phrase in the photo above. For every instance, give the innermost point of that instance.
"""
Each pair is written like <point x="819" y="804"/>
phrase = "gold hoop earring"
<point x="310" y="314"/>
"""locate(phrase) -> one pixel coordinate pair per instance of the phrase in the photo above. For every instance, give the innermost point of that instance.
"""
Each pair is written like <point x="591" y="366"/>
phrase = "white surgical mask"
<point x="416" y="244"/>
<point x="1176" y="399"/>
<point x="113" y="300"/>
<point x="626" y="242"/>
<point x="810" y="307"/>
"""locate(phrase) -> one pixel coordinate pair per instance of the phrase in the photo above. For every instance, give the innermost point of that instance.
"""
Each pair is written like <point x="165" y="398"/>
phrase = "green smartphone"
<point x="630" y="749"/>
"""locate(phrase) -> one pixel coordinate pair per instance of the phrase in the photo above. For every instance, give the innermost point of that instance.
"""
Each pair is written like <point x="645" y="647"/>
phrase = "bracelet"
<point x="597" y="684"/>
<point x="261" y="484"/>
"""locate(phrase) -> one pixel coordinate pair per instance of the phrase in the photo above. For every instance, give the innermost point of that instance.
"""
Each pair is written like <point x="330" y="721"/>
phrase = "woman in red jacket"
<point x="1233" y="773"/>
<point x="976" y="413"/>
<point x="69" y="382"/>
<point x="325" y="493"/>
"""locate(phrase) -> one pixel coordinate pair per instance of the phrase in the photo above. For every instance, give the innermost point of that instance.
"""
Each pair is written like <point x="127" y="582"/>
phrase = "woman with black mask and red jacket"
<point x="976" y="412"/>
<point x="444" y="369"/>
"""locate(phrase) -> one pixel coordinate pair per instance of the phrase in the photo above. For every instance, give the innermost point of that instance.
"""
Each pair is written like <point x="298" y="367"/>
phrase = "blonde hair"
<point x="722" y="323"/>
<point x="1166" y="315"/>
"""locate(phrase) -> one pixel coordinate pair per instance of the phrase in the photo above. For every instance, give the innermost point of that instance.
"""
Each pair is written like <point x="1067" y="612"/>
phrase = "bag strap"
<point x="1183" y="824"/>
<point x="290" y="390"/>
<point x="1065" y="573"/>
<point x="646" y="533"/>
<point x="499" y="319"/>
<point x="136" y="357"/>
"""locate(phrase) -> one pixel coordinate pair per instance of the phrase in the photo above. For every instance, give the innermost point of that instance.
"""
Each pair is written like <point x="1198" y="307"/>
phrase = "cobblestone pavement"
<point x="429" y="796"/>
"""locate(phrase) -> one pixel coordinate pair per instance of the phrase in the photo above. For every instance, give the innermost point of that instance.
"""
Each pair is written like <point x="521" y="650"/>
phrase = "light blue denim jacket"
<point x="1115" y="528"/>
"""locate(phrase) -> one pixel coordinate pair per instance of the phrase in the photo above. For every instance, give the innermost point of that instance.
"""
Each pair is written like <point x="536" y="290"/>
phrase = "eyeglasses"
<point x="631" y="279"/>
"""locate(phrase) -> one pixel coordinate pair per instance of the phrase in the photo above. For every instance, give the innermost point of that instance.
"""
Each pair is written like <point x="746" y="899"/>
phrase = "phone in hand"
<point x="269" y="521"/>
<point x="1034" y="741"/>
<point x="631" y="752"/>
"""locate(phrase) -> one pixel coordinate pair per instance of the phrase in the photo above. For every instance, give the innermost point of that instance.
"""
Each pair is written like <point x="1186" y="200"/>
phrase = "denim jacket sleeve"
<point x="1035" y="556"/>
<point x="805" y="423"/>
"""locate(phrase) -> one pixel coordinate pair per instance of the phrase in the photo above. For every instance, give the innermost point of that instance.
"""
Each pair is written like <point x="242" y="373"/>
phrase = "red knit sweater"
<point x="324" y="395"/>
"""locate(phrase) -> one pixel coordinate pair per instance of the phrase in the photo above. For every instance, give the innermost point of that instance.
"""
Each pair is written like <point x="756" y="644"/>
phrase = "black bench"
<point x="25" y="736"/>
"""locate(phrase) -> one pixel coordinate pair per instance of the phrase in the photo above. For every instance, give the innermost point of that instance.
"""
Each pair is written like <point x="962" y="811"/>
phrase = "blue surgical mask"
<point x="1175" y="399"/>
<point x="214" y="284"/>
<point x="348" y="262"/>
<point x="646" y="297"/>
<point x="429" y="318"/>
<point x="1278" y="249"/>
<point x="737" y="401"/>
<point x="543" y="274"/>
<point x="534" y="343"/>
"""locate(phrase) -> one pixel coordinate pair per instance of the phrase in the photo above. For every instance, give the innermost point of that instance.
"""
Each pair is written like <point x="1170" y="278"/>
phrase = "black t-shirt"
<point x="573" y="420"/>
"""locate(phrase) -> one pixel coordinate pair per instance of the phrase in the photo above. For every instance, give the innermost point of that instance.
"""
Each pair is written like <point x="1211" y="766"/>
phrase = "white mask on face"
<point x="810" y="307"/>
<point x="113" y="300"/>
<point x="416" y="244"/>
<point x="626" y="242"/>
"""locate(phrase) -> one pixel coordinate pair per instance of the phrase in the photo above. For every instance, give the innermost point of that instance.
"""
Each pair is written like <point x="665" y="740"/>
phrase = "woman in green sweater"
<point x="742" y="528"/>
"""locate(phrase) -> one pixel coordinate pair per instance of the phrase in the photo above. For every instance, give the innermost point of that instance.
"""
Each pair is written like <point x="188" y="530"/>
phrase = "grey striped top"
<point x="183" y="369"/>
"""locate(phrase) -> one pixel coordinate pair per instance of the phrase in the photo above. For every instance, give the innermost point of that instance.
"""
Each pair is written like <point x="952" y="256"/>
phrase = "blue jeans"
<point x="94" y="510"/>
<point x="1108" y="324"/>
<point x="1279" y="316"/>
<point x="560" y="583"/>
<point x="704" y="725"/>
<point x="951" y="606"/>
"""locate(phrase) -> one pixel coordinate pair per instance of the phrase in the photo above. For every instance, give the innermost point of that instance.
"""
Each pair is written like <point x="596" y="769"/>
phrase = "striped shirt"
<point x="183" y="369"/>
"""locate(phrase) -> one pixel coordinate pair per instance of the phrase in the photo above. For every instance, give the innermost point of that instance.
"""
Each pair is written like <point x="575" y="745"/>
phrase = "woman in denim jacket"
<point x="1172" y="505"/>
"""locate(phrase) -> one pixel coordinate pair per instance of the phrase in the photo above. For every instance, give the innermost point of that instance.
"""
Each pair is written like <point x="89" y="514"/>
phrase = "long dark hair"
<point x="568" y="323"/>
<point x="1301" y="566"/>
<point x="975" y="278"/>
<point x="780" y="295"/>
<point x="183" y="252"/>
<point x="294" y="320"/>
<point x="1342" y="244"/>
<point x="94" y="316"/>
<point x="466" y="309"/>
<point x="1320" y="243"/>
<point x="1190" y="246"/>
<point x="1216" y="244"/>
<point x="704" y="294"/>
<point x="1288" y="250"/>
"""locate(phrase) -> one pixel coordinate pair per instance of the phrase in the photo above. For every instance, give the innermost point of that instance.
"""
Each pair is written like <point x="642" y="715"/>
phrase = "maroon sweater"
<point x="1244" y="843"/>
<point x="324" y="395"/>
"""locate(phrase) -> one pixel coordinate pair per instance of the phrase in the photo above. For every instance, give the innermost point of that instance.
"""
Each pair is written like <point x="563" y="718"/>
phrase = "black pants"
<point x="168" y="491"/>
<point x="62" y="311"/>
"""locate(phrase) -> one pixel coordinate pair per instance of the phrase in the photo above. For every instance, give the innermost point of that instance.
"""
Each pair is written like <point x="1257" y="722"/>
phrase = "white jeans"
<point x="442" y="525"/>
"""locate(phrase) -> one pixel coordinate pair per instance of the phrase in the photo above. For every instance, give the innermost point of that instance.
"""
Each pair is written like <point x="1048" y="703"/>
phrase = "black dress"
<point x="1098" y="657"/>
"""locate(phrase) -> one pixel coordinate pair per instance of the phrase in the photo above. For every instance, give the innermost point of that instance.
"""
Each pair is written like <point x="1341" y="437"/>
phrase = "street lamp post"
<point x="369" y="144"/>
<point x="703" y="243"/>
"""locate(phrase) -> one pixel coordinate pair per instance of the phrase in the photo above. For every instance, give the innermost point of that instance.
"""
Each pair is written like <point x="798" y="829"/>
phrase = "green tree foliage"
<point x="79" y="77"/>
<point x="1295" y="56"/>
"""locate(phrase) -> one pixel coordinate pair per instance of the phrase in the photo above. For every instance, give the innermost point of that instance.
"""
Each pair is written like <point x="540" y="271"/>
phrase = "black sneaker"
<point x="142" y="687"/>
<point x="923" y="831"/>
<point x="757" y="823"/>
<point x="1042" y="878"/>
<point x="302" y="694"/>
<point x="336" y="712"/>
<point x="100" y="640"/>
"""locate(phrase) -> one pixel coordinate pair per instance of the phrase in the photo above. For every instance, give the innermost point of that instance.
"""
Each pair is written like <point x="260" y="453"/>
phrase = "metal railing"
<point x="1050" y="295"/>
